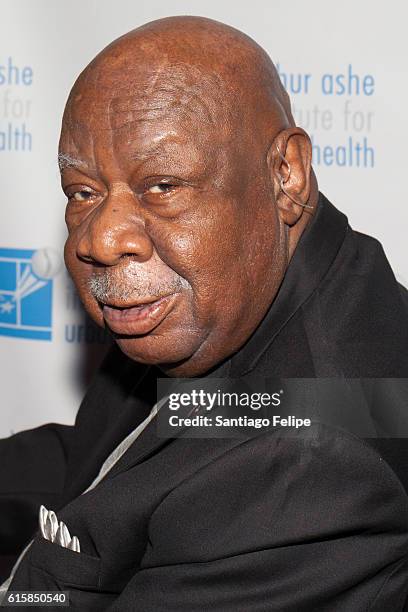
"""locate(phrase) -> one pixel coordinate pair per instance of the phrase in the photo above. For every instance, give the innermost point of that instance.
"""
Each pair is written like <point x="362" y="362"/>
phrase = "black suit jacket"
<point x="317" y="521"/>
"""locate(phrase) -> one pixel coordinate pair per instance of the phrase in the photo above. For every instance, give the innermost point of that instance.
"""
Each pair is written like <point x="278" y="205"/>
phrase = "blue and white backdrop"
<point x="344" y="65"/>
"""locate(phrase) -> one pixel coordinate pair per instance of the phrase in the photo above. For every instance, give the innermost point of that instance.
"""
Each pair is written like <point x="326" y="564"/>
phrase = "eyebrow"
<point x="67" y="161"/>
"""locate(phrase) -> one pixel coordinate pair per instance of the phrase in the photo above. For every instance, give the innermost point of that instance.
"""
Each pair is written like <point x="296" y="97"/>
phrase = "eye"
<point x="161" y="188"/>
<point x="80" y="196"/>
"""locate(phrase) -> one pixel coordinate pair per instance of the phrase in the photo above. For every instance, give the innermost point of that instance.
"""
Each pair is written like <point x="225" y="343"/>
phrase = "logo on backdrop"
<point x="26" y="284"/>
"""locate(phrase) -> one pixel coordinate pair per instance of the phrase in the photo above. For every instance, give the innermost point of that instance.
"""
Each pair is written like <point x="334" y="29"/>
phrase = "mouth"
<point x="140" y="318"/>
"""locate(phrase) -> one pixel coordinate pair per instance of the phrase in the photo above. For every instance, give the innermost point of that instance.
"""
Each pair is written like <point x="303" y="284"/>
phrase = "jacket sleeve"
<point x="32" y="472"/>
<point x="316" y="521"/>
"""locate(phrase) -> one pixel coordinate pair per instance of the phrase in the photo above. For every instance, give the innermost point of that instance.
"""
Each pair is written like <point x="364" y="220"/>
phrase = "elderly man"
<point x="197" y="235"/>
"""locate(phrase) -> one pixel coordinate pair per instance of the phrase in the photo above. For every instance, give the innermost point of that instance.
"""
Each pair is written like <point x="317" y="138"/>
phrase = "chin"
<point x="155" y="350"/>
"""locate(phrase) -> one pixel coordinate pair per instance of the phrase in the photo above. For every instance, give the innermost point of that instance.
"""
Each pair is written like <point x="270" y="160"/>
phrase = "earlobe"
<point x="289" y="160"/>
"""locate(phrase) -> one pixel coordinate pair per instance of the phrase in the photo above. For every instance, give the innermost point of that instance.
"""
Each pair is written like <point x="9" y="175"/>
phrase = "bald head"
<point x="187" y="65"/>
<point x="171" y="155"/>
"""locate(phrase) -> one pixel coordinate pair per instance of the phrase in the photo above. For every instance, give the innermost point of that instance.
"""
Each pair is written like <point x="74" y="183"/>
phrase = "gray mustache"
<point x="107" y="287"/>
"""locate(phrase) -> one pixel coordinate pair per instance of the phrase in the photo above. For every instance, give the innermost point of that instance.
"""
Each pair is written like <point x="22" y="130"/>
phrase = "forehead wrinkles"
<point x="182" y="91"/>
<point x="180" y="96"/>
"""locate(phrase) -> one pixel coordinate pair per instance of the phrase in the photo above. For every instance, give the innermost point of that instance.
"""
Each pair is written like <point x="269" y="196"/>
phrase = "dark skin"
<point x="169" y="157"/>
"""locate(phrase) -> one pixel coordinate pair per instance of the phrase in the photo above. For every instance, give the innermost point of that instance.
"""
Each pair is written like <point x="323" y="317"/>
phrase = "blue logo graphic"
<point x="26" y="292"/>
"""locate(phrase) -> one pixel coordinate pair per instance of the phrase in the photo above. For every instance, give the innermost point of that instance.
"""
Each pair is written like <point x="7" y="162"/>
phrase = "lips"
<point x="140" y="318"/>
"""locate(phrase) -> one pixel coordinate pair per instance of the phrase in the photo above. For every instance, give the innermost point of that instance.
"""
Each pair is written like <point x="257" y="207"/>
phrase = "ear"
<point x="289" y="162"/>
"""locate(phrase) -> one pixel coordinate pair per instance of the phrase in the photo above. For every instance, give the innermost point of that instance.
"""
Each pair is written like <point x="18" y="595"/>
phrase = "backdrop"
<point x="344" y="65"/>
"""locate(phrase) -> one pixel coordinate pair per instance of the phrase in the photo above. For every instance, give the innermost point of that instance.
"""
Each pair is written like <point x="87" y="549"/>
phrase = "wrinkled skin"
<point x="169" y="160"/>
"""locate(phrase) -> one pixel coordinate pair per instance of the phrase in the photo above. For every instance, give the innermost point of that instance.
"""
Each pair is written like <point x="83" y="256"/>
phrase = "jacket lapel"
<point x="116" y="402"/>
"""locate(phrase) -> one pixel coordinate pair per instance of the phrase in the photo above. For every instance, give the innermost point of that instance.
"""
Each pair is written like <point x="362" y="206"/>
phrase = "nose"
<point x="116" y="229"/>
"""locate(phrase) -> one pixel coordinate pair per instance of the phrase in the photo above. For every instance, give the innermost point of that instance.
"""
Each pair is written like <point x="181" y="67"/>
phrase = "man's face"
<point x="174" y="242"/>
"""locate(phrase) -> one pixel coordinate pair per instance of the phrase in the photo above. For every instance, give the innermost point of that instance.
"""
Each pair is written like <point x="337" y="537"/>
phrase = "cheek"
<point x="204" y="250"/>
<point x="79" y="272"/>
